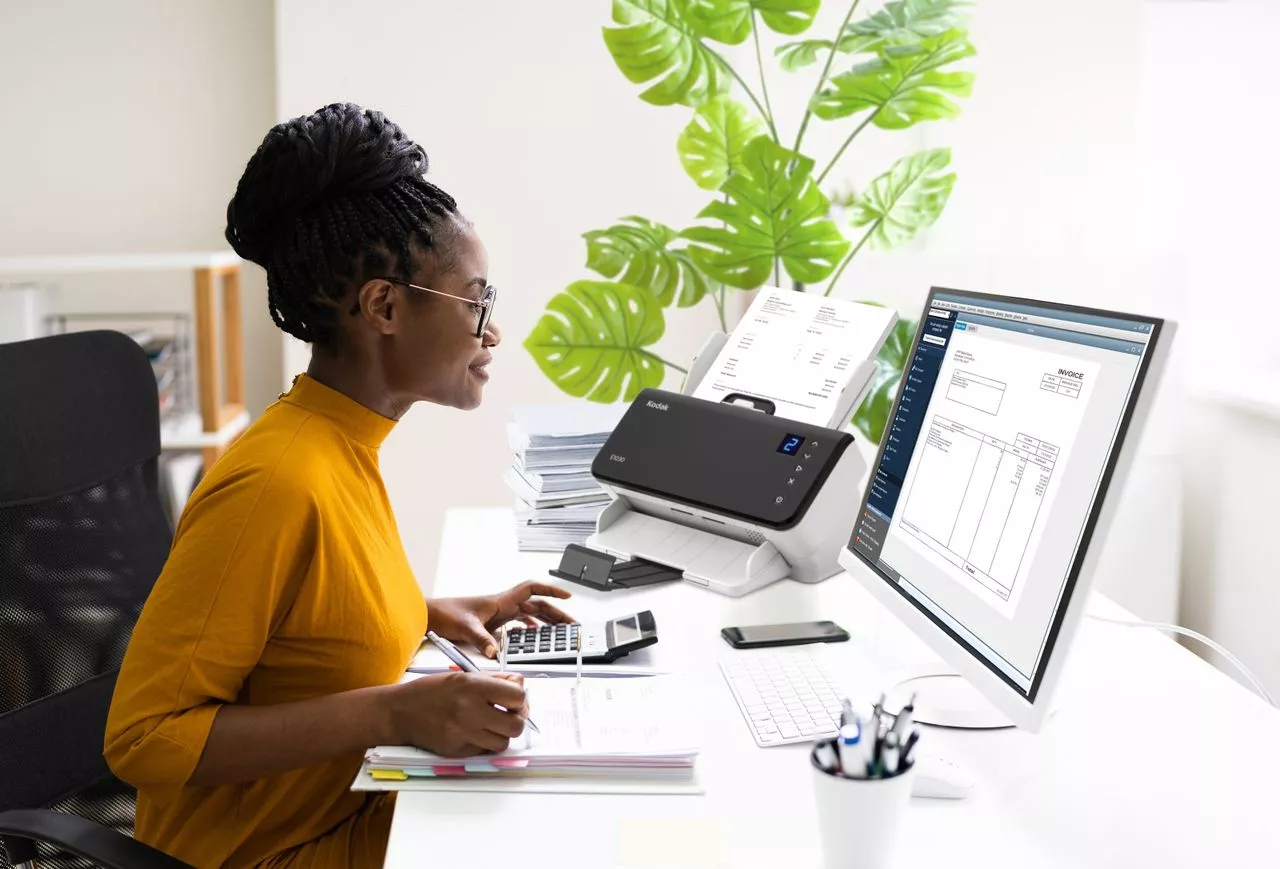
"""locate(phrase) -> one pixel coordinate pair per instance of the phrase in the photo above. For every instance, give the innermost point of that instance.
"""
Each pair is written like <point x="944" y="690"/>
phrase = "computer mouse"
<point x="939" y="778"/>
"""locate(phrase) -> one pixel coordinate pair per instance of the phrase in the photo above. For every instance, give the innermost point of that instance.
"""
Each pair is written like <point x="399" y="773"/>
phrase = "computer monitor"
<point x="986" y="507"/>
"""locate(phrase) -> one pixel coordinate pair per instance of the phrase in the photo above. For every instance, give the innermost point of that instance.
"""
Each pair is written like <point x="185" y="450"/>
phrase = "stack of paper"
<point x="606" y="734"/>
<point x="557" y="499"/>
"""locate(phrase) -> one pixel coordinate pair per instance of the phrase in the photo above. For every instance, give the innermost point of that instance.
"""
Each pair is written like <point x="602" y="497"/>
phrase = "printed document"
<point x="799" y="351"/>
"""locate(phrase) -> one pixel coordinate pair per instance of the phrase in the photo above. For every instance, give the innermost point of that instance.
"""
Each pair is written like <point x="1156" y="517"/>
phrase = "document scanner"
<point x="732" y="497"/>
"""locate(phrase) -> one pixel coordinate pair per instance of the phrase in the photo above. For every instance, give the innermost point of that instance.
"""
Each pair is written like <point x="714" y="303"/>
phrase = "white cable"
<point x="1177" y="629"/>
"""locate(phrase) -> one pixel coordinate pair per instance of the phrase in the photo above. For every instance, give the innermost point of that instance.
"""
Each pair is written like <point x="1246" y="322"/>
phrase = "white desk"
<point x="1171" y="791"/>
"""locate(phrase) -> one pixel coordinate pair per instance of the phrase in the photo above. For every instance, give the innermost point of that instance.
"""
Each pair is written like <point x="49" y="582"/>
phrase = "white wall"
<point x="1209" y="129"/>
<point x="528" y="124"/>
<point x="1064" y="193"/>
<point x="126" y="126"/>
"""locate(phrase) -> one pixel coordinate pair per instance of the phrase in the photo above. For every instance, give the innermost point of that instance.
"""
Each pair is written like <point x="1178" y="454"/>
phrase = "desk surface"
<point x="1172" y="791"/>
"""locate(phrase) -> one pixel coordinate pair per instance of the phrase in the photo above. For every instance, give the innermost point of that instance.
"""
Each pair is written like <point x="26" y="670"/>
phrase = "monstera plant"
<point x="767" y="214"/>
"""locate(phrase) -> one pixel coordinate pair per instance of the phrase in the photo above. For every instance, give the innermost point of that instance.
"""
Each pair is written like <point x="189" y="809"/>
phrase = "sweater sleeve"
<point x="239" y="556"/>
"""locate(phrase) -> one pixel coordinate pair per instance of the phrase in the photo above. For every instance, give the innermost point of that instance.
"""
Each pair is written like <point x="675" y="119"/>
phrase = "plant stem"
<point x="764" y="85"/>
<point x="848" y="259"/>
<point x="718" y="297"/>
<point x="847" y="142"/>
<point x="777" y="272"/>
<point x="822" y="79"/>
<point x="655" y="357"/>
<point x="759" y="108"/>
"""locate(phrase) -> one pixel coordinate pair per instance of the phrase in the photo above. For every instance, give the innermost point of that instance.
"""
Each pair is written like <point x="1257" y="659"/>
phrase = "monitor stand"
<point x="944" y="698"/>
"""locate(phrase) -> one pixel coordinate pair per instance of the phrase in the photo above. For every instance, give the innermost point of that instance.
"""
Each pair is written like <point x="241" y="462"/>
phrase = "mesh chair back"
<point x="83" y="536"/>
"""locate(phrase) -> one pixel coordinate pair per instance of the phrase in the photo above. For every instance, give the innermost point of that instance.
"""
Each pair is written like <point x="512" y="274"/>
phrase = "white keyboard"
<point x="786" y="696"/>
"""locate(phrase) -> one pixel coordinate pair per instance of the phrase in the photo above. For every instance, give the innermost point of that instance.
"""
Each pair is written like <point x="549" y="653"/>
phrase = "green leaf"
<point x="638" y="252"/>
<point x="774" y="209"/>
<point x="910" y="21"/>
<point x="730" y="21"/>
<point x="655" y="44"/>
<point x="797" y="55"/>
<point x="906" y="199"/>
<point x="902" y="88"/>
<point x="591" y="340"/>
<point x="872" y="415"/>
<point x="713" y="143"/>
<point x="902" y="22"/>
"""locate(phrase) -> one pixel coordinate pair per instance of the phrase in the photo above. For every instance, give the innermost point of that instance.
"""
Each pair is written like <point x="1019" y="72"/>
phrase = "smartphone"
<point x="795" y="634"/>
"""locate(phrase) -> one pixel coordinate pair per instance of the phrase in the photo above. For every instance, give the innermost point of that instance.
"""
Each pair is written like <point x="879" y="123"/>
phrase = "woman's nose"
<point x="492" y="335"/>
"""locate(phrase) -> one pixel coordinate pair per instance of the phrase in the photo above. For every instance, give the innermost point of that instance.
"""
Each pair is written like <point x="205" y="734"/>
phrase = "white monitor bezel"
<point x="1026" y="713"/>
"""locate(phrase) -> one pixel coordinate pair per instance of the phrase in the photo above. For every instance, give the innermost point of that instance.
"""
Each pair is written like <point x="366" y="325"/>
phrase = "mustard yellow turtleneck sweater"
<point x="287" y="580"/>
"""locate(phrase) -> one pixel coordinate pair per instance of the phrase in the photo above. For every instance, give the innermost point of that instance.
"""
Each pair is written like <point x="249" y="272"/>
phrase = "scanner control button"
<point x="799" y="469"/>
<point x="777" y="500"/>
<point x="791" y="481"/>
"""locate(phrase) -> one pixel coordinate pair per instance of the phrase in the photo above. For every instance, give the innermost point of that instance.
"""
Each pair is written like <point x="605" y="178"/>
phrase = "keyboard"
<point x="785" y="695"/>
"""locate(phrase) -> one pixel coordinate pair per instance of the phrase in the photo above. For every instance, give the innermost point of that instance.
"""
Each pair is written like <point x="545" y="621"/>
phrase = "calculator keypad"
<point x="543" y="639"/>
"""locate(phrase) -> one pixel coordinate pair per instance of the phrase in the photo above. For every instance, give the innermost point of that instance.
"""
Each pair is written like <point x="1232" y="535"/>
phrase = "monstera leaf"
<point x="773" y="209"/>
<point x="906" y="199"/>
<point x="801" y="53"/>
<point x="730" y="21"/>
<point x="908" y="21"/>
<point x="713" y="143"/>
<point x="903" y="86"/>
<point x="591" y="340"/>
<point x="873" y="414"/>
<point x="655" y="44"/>
<point x="638" y="252"/>
<point x="899" y="23"/>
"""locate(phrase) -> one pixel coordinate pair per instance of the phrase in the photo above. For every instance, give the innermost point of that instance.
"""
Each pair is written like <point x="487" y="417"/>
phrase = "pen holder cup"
<point x="858" y="818"/>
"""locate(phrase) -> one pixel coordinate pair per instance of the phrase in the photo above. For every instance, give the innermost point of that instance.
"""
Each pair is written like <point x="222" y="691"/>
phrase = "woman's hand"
<point x="474" y="619"/>
<point x="455" y="714"/>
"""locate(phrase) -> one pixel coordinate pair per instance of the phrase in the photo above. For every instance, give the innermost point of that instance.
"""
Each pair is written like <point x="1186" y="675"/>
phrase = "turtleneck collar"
<point x="357" y="421"/>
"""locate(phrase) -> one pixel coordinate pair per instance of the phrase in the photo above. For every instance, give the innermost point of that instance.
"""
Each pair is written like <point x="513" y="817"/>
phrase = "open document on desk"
<point x="799" y="351"/>
<point x="597" y="736"/>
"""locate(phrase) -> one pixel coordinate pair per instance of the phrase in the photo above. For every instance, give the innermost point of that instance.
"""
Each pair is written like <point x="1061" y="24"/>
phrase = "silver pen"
<point x="453" y="653"/>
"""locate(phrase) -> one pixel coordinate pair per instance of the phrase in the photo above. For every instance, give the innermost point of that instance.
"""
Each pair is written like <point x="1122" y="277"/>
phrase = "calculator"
<point x="602" y="642"/>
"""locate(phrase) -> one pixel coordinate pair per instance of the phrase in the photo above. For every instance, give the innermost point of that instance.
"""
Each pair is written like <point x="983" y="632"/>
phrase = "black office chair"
<point x="83" y="536"/>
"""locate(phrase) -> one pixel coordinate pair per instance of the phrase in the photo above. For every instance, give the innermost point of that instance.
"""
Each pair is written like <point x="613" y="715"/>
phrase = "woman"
<point x="267" y="657"/>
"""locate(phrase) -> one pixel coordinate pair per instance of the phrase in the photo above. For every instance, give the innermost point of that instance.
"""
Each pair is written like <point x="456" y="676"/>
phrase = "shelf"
<point x="186" y="434"/>
<point x="124" y="262"/>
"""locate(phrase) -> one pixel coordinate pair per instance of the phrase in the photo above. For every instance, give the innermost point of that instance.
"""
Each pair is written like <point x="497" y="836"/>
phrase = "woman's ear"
<point x="377" y="301"/>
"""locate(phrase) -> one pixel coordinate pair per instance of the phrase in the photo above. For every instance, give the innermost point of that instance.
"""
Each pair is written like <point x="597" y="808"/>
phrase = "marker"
<point x="850" y="754"/>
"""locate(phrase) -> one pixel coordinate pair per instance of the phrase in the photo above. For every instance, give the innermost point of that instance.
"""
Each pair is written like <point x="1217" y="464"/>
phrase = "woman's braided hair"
<point x="330" y="198"/>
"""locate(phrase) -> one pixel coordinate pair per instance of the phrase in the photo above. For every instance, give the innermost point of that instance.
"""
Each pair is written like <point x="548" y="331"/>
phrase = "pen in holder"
<point x="862" y="783"/>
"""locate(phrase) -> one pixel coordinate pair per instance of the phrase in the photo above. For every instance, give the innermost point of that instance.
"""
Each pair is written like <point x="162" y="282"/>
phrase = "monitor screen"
<point x="993" y="466"/>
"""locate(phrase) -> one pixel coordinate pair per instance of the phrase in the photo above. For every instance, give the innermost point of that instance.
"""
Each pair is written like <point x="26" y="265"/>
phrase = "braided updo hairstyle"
<point x="328" y="199"/>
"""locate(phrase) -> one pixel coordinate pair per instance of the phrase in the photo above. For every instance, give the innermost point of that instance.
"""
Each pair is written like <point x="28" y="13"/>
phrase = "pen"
<point x="910" y="744"/>
<point x="846" y="712"/>
<point x="909" y="753"/>
<point x="453" y="653"/>
<point x="890" y="752"/>
<point x="867" y="748"/>
<point x="902" y="725"/>
<point x="502" y="651"/>
<point x="826" y="757"/>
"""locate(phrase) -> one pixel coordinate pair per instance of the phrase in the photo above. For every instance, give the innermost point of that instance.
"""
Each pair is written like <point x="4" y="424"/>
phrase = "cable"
<point x="1186" y="632"/>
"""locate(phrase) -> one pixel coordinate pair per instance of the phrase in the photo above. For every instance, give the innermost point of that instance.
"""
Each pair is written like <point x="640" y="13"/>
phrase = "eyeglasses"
<point x="484" y="307"/>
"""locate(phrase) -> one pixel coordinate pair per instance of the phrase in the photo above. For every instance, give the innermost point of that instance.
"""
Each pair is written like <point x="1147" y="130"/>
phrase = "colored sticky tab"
<point x="450" y="769"/>
<point x="480" y="766"/>
<point x="510" y="762"/>
<point x="388" y="775"/>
